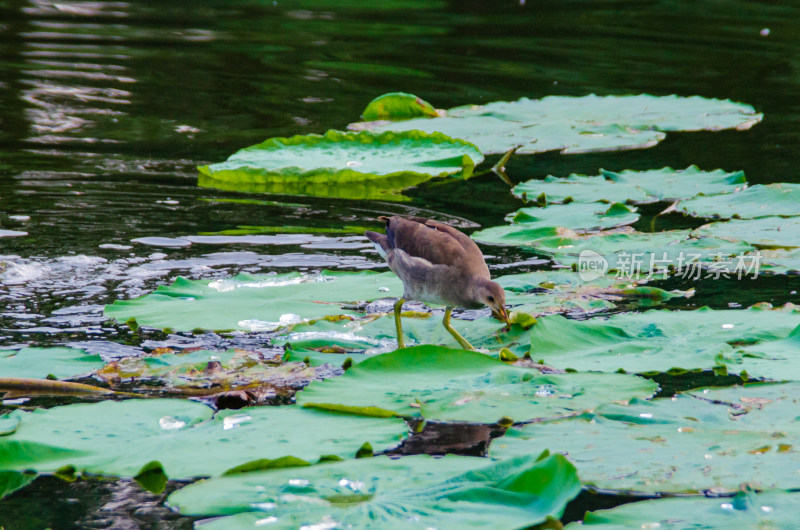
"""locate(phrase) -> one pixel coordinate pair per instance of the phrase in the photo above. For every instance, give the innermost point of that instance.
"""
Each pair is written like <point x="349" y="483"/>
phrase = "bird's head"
<point x="492" y="295"/>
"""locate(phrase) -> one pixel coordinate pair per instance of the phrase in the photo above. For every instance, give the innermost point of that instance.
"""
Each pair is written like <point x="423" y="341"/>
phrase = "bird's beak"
<point x="501" y="314"/>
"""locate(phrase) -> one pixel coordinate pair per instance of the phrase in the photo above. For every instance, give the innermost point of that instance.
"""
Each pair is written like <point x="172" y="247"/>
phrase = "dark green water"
<point x="107" y="107"/>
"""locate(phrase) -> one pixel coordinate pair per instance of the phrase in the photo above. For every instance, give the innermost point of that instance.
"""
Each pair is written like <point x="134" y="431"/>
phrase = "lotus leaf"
<point x="254" y="303"/>
<point x="317" y="358"/>
<point x="39" y="363"/>
<point x="455" y="385"/>
<point x="580" y="124"/>
<point x="652" y="254"/>
<point x="780" y="199"/>
<point x="779" y="261"/>
<point x="767" y="232"/>
<point x="376" y="335"/>
<point x="714" y="443"/>
<point x="398" y="106"/>
<point x="770" y="359"/>
<point x="311" y="311"/>
<point x="746" y="511"/>
<point x="579" y="188"/>
<point x="11" y="481"/>
<point x="663" y="340"/>
<point x="540" y="222"/>
<point x="212" y="370"/>
<point x="633" y="186"/>
<point x="351" y="165"/>
<point x="536" y="293"/>
<point x="667" y="184"/>
<point x="411" y="492"/>
<point x="187" y="439"/>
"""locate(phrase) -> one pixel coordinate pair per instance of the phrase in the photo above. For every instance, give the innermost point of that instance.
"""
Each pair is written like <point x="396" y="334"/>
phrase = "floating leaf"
<point x="533" y="294"/>
<point x="456" y="385"/>
<point x="714" y="443"/>
<point x="414" y="491"/>
<point x="254" y="303"/>
<point x="770" y="359"/>
<point x="579" y="188"/>
<point x="580" y="124"/>
<point x="748" y="510"/>
<point x="61" y="363"/>
<point x="780" y="199"/>
<point x="120" y="438"/>
<point x="398" y="106"/>
<point x="657" y="340"/>
<point x="530" y="223"/>
<point x="779" y="261"/>
<point x="633" y="186"/>
<point x="658" y="253"/>
<point x="351" y="165"/>
<point x="767" y="232"/>
<point x="211" y="371"/>
<point x="11" y="481"/>
<point x="667" y="184"/>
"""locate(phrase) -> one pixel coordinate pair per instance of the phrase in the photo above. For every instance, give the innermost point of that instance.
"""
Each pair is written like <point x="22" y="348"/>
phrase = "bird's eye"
<point x="491" y="299"/>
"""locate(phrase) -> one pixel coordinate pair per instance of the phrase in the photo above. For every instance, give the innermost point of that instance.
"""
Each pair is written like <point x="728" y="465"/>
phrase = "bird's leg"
<point x="398" y="307"/>
<point x="461" y="340"/>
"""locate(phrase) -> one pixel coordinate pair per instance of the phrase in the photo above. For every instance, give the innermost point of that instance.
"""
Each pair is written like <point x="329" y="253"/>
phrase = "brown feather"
<point x="437" y="243"/>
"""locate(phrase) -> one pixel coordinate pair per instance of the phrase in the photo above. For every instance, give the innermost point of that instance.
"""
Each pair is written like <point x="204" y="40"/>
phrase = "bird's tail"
<point x="380" y="241"/>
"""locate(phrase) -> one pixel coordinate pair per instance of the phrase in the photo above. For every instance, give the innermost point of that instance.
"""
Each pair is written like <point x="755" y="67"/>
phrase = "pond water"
<point x="106" y="109"/>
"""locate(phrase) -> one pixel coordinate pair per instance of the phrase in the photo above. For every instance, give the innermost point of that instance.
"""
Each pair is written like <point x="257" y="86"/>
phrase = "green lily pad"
<point x="745" y="511"/>
<point x="580" y="124"/>
<point x="456" y="385"/>
<point x="398" y="106"/>
<point x="39" y="363"/>
<point x="769" y="359"/>
<point x="377" y="335"/>
<point x="769" y="232"/>
<point x="662" y="340"/>
<point x="11" y="481"/>
<point x="668" y="184"/>
<point x="411" y="492"/>
<point x="633" y="186"/>
<point x="254" y="303"/>
<point x="350" y="165"/>
<point x="658" y="254"/>
<point x="313" y="311"/>
<point x="186" y="438"/>
<point x="535" y="293"/>
<point x="317" y="358"/>
<point x="714" y="443"/>
<point x="543" y="222"/>
<point x="213" y="371"/>
<point x="779" y="261"/>
<point x="780" y="199"/>
<point x="578" y="188"/>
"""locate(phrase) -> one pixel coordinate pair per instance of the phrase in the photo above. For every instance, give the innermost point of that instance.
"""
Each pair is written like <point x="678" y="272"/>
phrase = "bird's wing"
<point x="435" y="242"/>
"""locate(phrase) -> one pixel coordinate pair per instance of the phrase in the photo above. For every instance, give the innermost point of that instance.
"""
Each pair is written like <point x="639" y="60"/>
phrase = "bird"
<point x="437" y="264"/>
